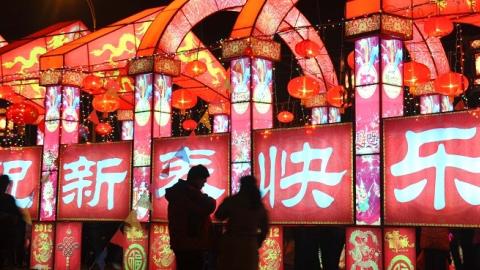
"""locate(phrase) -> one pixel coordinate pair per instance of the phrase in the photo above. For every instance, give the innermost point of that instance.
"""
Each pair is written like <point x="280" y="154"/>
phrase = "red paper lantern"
<point x="183" y="99"/>
<point x="92" y="83"/>
<point x="103" y="129"/>
<point x="195" y="68"/>
<point x="22" y="113"/>
<point x="107" y="102"/>
<point x="303" y="87"/>
<point x="285" y="117"/>
<point x="6" y="91"/>
<point x="351" y="60"/>
<point x="415" y="73"/>
<point x="335" y="96"/>
<point x="307" y="49"/>
<point x="112" y="85"/>
<point x="438" y="27"/>
<point x="189" y="124"/>
<point x="451" y="84"/>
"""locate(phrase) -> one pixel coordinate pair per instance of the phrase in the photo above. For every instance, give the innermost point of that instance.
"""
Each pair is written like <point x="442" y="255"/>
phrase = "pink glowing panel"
<point x="392" y="101"/>
<point x="241" y="126"/>
<point x="52" y="105"/>
<point x="141" y="194"/>
<point x="319" y="115"/>
<point x="367" y="190"/>
<point x="429" y="104"/>
<point x="367" y="119"/>
<point x="446" y="104"/>
<point x="239" y="170"/>
<point x="240" y="82"/>
<point x="48" y="203"/>
<point x="143" y="120"/>
<point x="70" y="114"/>
<point x="50" y="146"/>
<point x="220" y="123"/>
<point x="162" y="110"/>
<point x="127" y="130"/>
<point x="367" y="61"/>
<point x="40" y="137"/>
<point x="334" y="115"/>
<point x="392" y="66"/>
<point x="143" y="94"/>
<point x="262" y="93"/>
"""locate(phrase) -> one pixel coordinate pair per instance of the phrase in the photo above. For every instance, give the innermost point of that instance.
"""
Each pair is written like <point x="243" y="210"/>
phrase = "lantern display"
<point x="335" y="96"/>
<point x="451" y="84"/>
<point x="103" y="129"/>
<point x="303" y="87"/>
<point x="307" y="49"/>
<point x="351" y="60"/>
<point x="92" y="84"/>
<point x="438" y="27"/>
<point x="415" y="73"/>
<point x="22" y="113"/>
<point x="6" y="91"/>
<point x="189" y="124"/>
<point x="195" y="68"/>
<point x="183" y="99"/>
<point x="285" y="117"/>
<point x="108" y="102"/>
<point x="112" y="85"/>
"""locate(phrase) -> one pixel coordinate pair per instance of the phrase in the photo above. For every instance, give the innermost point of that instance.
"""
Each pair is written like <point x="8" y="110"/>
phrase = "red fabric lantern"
<point x="189" y="124"/>
<point x="6" y="91"/>
<point x="92" y="83"/>
<point x="438" y="27"/>
<point x="451" y="84"/>
<point x="195" y="68"/>
<point x="112" y="85"/>
<point x="335" y="96"/>
<point x="351" y="60"/>
<point x="307" y="49"/>
<point x="107" y="102"/>
<point x="285" y="117"/>
<point x="303" y="87"/>
<point x="22" y="113"/>
<point x="103" y="129"/>
<point x="183" y="99"/>
<point x="415" y="73"/>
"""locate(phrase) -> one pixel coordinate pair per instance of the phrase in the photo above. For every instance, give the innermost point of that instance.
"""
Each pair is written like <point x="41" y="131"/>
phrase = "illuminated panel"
<point x="41" y="249"/>
<point x="319" y="115"/>
<point x="94" y="182"/>
<point x="50" y="153"/>
<point x="162" y="109"/>
<point x="141" y="196"/>
<point x="400" y="251"/>
<point x="271" y="251"/>
<point x="392" y="101"/>
<point x="446" y="103"/>
<point x="367" y="119"/>
<point x="262" y="93"/>
<point x="429" y="104"/>
<point x="68" y="245"/>
<point x="307" y="178"/>
<point x="143" y="120"/>
<point x="70" y="114"/>
<point x="161" y="257"/>
<point x="367" y="187"/>
<point x="220" y="123"/>
<point x="127" y="130"/>
<point x="173" y="157"/>
<point x="367" y="55"/>
<point x="22" y="165"/>
<point x="135" y="255"/>
<point x="40" y="137"/>
<point x="392" y="78"/>
<point x="363" y="247"/>
<point x="431" y="170"/>
<point x="334" y="115"/>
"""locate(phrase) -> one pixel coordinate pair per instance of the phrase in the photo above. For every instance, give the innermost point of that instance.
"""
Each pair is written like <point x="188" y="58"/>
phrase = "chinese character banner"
<point x="94" y="182"/>
<point x="431" y="172"/>
<point x="173" y="158"/>
<point x="399" y="248"/>
<point x="307" y="178"/>
<point x="22" y="165"/>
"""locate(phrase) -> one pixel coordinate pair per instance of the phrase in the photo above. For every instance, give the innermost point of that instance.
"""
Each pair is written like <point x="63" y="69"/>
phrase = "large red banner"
<point x="431" y="170"/>
<point x="399" y="247"/>
<point x="94" y="182"/>
<point x="22" y="165"/>
<point x="173" y="157"/>
<point x="41" y="252"/>
<point x="305" y="174"/>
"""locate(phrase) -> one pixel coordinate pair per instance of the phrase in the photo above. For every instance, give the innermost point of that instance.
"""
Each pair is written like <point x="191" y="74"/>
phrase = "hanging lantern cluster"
<point x="415" y="73"/>
<point x="113" y="85"/>
<point x="93" y="84"/>
<point x="108" y="102"/>
<point x="285" y="117"/>
<point x="183" y="99"/>
<point x="195" y="68"/>
<point x="22" y="113"/>
<point x="189" y="124"/>
<point x="451" y="84"/>
<point x="303" y="87"/>
<point x="307" y="48"/>
<point x="438" y="27"/>
<point x="335" y="96"/>
<point x="103" y="129"/>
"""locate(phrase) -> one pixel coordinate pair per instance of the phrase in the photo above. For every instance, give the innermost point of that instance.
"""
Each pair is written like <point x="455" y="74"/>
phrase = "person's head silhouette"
<point x="197" y="176"/>
<point x="4" y="182"/>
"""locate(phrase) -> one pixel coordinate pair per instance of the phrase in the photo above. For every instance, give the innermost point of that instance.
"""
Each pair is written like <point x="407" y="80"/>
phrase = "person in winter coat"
<point x="189" y="219"/>
<point x="247" y="226"/>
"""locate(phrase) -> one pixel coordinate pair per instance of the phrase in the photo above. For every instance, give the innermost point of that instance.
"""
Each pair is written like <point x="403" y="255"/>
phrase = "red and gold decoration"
<point x="307" y="48"/>
<point x="183" y="99"/>
<point x="303" y="87"/>
<point x="166" y="66"/>
<point x="451" y="84"/>
<point x="285" y="117"/>
<point x="92" y="84"/>
<point x="363" y="249"/>
<point x="113" y="85"/>
<point x="161" y="257"/>
<point x="189" y="124"/>
<point x="108" y="102"/>
<point x="135" y="256"/>
<point x="22" y="113"/>
<point x="251" y="47"/>
<point x="195" y="68"/>
<point x="271" y="254"/>
<point x="415" y="73"/>
<point x="384" y="24"/>
<point x="68" y="245"/>
<point x="335" y="96"/>
<point x="42" y="246"/>
<point x="103" y="129"/>
<point x="438" y="27"/>
<point x="399" y="248"/>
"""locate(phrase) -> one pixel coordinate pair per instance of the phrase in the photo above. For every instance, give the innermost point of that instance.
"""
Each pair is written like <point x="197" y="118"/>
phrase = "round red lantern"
<point x="189" y="124"/>
<point x="303" y="87"/>
<point x="195" y="68"/>
<point x="103" y="129"/>
<point x="307" y="48"/>
<point x="415" y="73"/>
<point x="22" y="113"/>
<point x="6" y="91"/>
<point x="351" y="60"/>
<point x="451" y="84"/>
<point x="183" y="99"/>
<point x="112" y="85"/>
<point x="285" y="117"/>
<point x="438" y="27"/>
<point x="335" y="96"/>
<point x="107" y="102"/>
<point x="92" y="83"/>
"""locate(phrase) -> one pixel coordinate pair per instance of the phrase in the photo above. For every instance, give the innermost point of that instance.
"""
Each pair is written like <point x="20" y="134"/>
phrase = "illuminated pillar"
<point x="322" y="113"/>
<point x="430" y="102"/>
<point x="220" y="112"/>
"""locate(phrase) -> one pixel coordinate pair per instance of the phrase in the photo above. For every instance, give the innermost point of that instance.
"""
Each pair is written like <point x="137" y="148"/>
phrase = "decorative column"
<point x="322" y="113"/>
<point x="430" y="101"/>
<point x="220" y="112"/>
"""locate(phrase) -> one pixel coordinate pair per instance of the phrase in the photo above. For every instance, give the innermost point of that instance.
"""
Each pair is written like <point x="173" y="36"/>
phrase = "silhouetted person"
<point x="189" y="219"/>
<point x="12" y="227"/>
<point x="247" y="226"/>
